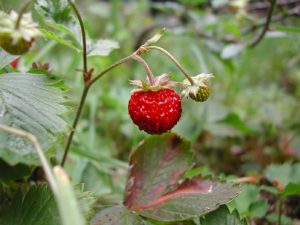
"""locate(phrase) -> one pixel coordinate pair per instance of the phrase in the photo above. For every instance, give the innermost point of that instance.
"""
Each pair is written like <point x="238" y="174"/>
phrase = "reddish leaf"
<point x="156" y="167"/>
<point x="192" y="198"/>
<point x="153" y="188"/>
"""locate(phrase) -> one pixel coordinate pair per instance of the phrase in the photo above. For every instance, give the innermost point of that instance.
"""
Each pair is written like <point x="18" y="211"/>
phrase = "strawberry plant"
<point x="79" y="145"/>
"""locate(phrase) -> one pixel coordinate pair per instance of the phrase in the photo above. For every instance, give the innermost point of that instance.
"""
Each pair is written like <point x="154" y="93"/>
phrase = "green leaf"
<point x="30" y="103"/>
<point x="222" y="216"/>
<point x="36" y="207"/>
<point x="286" y="173"/>
<point x="11" y="173"/>
<point x="203" y="171"/>
<point x="58" y="15"/>
<point x="116" y="215"/>
<point x="291" y="189"/>
<point x="86" y="200"/>
<point x="101" y="47"/>
<point x="51" y="35"/>
<point x="235" y="121"/>
<point x="250" y="193"/>
<point x="6" y="58"/>
<point x="258" y="208"/>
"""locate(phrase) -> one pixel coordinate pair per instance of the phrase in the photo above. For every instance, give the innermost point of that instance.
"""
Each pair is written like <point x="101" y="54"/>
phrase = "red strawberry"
<point x="155" y="112"/>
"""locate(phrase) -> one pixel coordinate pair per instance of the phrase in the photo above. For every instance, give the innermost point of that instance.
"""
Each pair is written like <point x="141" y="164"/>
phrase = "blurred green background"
<point x="252" y="118"/>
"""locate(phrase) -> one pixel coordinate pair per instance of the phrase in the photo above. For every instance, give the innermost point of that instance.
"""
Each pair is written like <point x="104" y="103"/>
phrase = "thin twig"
<point x="38" y="148"/>
<point x="266" y="27"/>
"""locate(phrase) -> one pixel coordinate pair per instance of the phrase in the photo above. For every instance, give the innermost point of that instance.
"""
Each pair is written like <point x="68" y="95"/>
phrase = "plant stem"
<point x="266" y="27"/>
<point x="78" y="114"/>
<point x="45" y="164"/>
<point x="83" y="35"/>
<point x="21" y="13"/>
<point x="150" y="75"/>
<point x="82" y="101"/>
<point x="180" y="67"/>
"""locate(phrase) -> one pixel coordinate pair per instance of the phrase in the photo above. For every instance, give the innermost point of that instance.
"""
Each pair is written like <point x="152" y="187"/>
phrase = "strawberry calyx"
<point x="199" y="90"/>
<point x="159" y="82"/>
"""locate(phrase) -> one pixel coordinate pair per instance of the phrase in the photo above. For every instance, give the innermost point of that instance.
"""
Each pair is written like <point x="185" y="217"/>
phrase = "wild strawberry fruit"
<point x="17" y="35"/>
<point x="155" y="108"/>
<point x="199" y="90"/>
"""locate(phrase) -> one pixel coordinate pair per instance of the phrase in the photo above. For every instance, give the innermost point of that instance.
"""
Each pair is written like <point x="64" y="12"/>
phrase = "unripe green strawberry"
<point x="17" y="33"/>
<point x="19" y="48"/>
<point x="202" y="94"/>
<point x="199" y="90"/>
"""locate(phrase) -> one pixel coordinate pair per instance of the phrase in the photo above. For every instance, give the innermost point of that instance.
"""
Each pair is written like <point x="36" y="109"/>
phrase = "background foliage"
<point x="249" y="127"/>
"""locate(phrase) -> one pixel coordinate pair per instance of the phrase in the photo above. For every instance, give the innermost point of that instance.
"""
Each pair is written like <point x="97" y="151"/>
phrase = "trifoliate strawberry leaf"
<point x="36" y="207"/>
<point x="30" y="102"/>
<point x="222" y="216"/>
<point x="117" y="215"/>
<point x="156" y="187"/>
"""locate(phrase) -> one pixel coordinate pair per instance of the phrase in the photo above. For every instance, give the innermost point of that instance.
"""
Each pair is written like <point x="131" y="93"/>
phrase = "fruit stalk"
<point x="150" y="75"/>
<point x="22" y="11"/>
<point x="180" y="67"/>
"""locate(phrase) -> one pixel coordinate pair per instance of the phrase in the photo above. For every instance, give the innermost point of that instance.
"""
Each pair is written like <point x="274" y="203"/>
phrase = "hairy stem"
<point x="83" y="35"/>
<point x="150" y="75"/>
<point x="45" y="164"/>
<point x="266" y="26"/>
<point x="22" y="11"/>
<point x="180" y="67"/>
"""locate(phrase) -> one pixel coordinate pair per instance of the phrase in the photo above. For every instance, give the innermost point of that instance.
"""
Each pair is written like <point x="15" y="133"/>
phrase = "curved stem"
<point x="83" y="34"/>
<point x="266" y="27"/>
<point x="45" y="164"/>
<point x="180" y="67"/>
<point x="22" y="11"/>
<point x="150" y="75"/>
